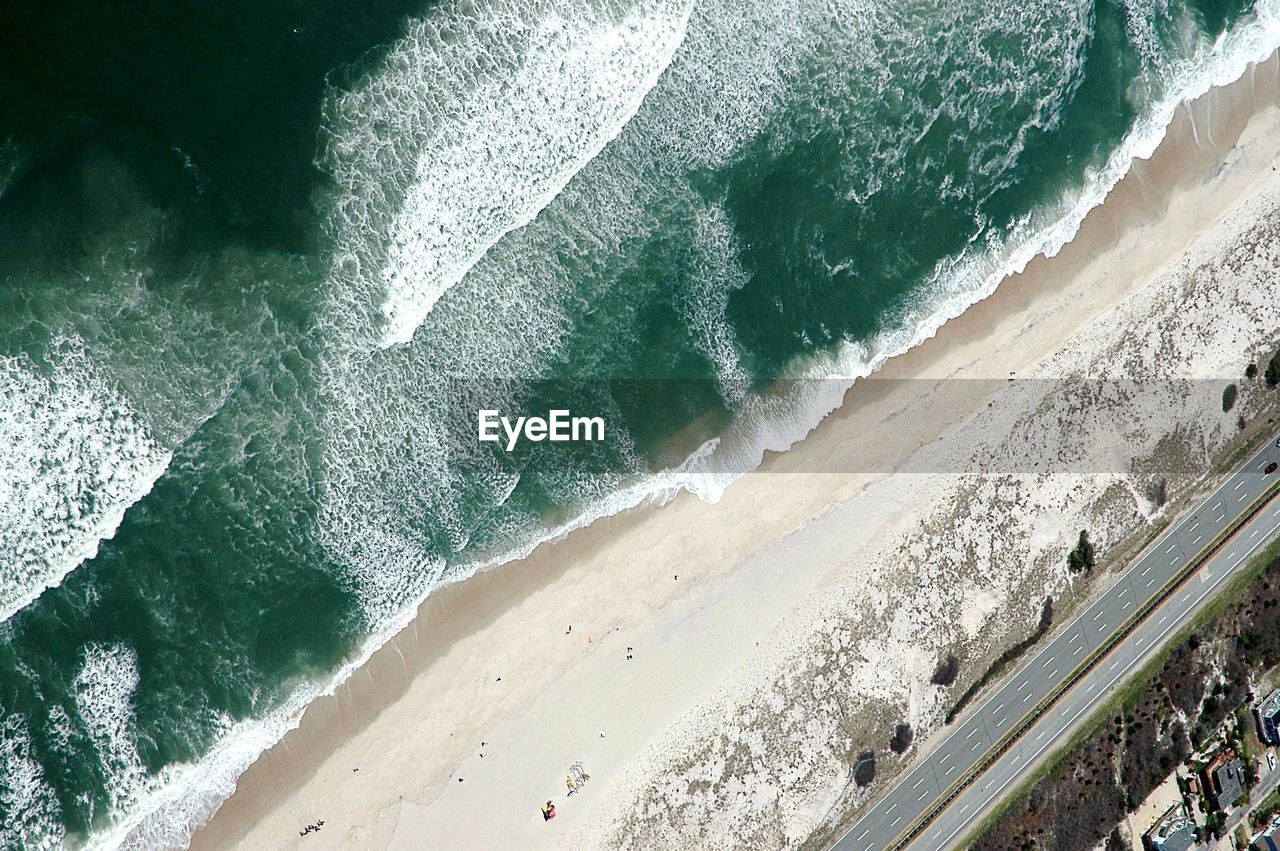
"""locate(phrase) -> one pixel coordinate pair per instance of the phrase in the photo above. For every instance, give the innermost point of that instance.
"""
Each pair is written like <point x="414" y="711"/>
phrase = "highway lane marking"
<point x="1003" y="718"/>
<point x="864" y="834"/>
<point x="945" y="757"/>
<point x="1102" y="627"/>
<point x="1275" y="512"/>
<point x="975" y="745"/>
<point x="996" y="792"/>
<point x="1028" y="697"/>
<point x="916" y="785"/>
<point x="972" y="734"/>
<point x="1171" y="547"/>
<point x="949" y="770"/>
<point x="1241" y="496"/>
<point x="1198" y="537"/>
<point x="1100" y="613"/>
<point x="1193" y="526"/>
<point x="1186" y="596"/>
<point x="1219" y="505"/>
<point x="1053" y="672"/>
<point x="889" y="811"/>
<point x="1221" y="517"/>
<point x="1149" y="581"/>
<point x="1146" y="570"/>
<point x="923" y="795"/>
<point x="895" y="821"/>
<point x="1240" y="484"/>
<point x="1163" y="618"/>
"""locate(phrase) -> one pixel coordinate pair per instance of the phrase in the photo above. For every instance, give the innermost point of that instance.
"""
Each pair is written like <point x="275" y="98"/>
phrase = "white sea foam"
<point x="104" y="701"/>
<point x="477" y="120"/>
<point x="191" y="793"/>
<point x="73" y="457"/>
<point x="33" y="817"/>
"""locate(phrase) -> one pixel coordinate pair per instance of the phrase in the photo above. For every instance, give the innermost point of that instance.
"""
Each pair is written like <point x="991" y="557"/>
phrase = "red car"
<point x="1271" y="468"/>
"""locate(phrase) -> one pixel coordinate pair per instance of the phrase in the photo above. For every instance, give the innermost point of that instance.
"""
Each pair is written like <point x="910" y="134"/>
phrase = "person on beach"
<point x="548" y="811"/>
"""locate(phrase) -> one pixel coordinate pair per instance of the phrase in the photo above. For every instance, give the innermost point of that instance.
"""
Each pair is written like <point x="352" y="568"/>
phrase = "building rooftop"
<point x="1174" y="831"/>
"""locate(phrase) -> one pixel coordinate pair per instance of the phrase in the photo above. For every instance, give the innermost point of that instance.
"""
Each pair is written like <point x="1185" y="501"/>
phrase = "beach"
<point x="715" y="666"/>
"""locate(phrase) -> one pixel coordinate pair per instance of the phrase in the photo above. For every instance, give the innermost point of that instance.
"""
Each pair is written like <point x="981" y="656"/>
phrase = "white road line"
<point x="923" y="795"/>
<point x="975" y="746"/>
<point x="1240" y="484"/>
<point x="916" y="785"/>
<point x="1163" y="618"/>
<point x="1101" y="627"/>
<point x="1100" y="613"/>
<point x="1149" y="581"/>
<point x="949" y="770"/>
<point x="1275" y="512"/>
<point x="1028" y="697"/>
<point x="864" y="834"/>
<point x="895" y="821"/>
<point x="945" y="757"/>
<point x="1193" y="526"/>
<point x="1172" y="546"/>
<point x="1221" y="517"/>
<point x="1198" y="537"/>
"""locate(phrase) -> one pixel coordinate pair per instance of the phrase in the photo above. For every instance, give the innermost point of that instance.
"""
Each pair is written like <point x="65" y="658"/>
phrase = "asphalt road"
<point x="966" y="741"/>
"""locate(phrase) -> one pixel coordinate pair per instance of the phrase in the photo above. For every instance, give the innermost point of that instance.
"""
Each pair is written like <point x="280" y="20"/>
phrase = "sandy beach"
<point x="715" y="666"/>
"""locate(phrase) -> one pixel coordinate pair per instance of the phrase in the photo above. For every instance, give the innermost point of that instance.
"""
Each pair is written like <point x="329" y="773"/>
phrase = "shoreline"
<point x="580" y="577"/>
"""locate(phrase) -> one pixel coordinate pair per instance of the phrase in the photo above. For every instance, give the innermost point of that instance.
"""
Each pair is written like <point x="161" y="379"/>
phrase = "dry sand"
<point x="454" y="732"/>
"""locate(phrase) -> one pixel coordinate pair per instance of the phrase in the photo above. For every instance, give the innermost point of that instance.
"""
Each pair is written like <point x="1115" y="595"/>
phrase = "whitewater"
<point x="461" y="160"/>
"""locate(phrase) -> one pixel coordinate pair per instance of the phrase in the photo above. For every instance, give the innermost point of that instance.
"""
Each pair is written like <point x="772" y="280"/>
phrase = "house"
<point x="1267" y="714"/>
<point x="1224" y="779"/>
<point x="1268" y="840"/>
<point x="1174" y="831"/>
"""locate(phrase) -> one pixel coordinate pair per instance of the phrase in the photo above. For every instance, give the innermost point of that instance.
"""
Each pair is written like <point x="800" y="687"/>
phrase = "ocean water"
<point x="260" y="265"/>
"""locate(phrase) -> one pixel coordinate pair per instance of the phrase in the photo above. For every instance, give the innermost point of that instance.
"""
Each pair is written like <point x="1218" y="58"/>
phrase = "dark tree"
<point x="1273" y="371"/>
<point x="864" y="770"/>
<point x="945" y="673"/>
<point x="901" y="738"/>
<point x="1160" y="492"/>
<point x="1082" y="557"/>
<point x="1229" y="397"/>
<point x="1251" y="371"/>
<point x="1046" y="616"/>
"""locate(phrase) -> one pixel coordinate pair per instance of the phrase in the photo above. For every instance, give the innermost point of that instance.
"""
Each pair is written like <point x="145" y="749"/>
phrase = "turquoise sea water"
<point x="260" y="264"/>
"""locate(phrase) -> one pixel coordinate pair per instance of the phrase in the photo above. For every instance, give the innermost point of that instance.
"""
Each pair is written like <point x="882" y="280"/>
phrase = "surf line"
<point x="559" y="426"/>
